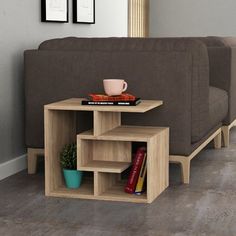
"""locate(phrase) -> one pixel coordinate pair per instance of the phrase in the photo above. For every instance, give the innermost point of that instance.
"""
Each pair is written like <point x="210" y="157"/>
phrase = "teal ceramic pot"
<point x="73" y="178"/>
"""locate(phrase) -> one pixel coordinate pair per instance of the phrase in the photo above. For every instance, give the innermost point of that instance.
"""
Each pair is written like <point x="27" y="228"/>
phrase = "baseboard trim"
<point x="13" y="166"/>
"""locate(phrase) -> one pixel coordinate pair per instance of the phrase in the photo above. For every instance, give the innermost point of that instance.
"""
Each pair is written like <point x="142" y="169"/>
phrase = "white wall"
<point x="20" y="29"/>
<point x="169" y="18"/>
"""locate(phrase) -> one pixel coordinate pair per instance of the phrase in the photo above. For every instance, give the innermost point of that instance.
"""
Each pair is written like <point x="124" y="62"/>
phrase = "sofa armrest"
<point x="222" y="59"/>
<point x="231" y="42"/>
<point x="232" y="89"/>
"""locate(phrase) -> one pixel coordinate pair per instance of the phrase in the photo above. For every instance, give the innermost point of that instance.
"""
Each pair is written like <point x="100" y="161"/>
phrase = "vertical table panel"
<point x="60" y="129"/>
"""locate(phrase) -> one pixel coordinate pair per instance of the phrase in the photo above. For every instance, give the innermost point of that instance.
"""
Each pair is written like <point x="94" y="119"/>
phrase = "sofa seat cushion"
<point x="218" y="106"/>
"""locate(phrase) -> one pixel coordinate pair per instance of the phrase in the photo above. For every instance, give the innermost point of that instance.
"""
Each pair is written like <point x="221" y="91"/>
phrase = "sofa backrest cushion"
<point x="174" y="70"/>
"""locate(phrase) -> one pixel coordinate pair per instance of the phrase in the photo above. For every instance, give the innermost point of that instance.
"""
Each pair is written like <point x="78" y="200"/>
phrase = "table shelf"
<point x="125" y="133"/>
<point x="85" y="191"/>
<point x="74" y="104"/>
<point x="105" y="166"/>
<point x="116" y="192"/>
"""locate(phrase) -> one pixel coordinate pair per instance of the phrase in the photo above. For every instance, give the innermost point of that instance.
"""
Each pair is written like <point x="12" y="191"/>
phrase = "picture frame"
<point x="84" y="11"/>
<point x="55" y="11"/>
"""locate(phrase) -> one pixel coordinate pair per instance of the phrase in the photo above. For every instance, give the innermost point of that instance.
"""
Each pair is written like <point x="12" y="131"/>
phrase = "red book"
<point x="101" y="97"/>
<point x="134" y="173"/>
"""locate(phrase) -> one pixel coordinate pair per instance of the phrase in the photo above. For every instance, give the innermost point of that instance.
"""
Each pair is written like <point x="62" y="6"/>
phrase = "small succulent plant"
<point x="68" y="157"/>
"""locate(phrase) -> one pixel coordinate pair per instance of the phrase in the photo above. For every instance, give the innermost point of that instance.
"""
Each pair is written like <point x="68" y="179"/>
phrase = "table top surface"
<point x="74" y="104"/>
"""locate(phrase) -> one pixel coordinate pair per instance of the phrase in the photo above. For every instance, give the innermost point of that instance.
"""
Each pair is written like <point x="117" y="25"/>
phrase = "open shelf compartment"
<point x="109" y="186"/>
<point x="103" y="156"/>
<point x="86" y="190"/>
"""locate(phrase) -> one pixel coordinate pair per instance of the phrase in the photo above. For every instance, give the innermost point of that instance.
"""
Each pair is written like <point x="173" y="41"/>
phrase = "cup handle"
<point x="125" y="86"/>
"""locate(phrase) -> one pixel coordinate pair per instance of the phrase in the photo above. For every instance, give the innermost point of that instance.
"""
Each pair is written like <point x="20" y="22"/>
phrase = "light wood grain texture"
<point x="184" y="161"/>
<point x="106" y="155"/>
<point x="60" y="129"/>
<point x="86" y="191"/>
<point x="208" y="140"/>
<point x="91" y="150"/>
<point x="32" y="157"/>
<point x="116" y="193"/>
<point x="225" y="131"/>
<point x="74" y="104"/>
<point x="157" y="165"/>
<point x="105" y="166"/>
<point x="105" y="121"/>
<point x="217" y="141"/>
<point x="118" y="151"/>
<point x="185" y="170"/>
<point x="84" y="152"/>
<point x="104" y="181"/>
<point x="138" y="22"/>
<point x="125" y="133"/>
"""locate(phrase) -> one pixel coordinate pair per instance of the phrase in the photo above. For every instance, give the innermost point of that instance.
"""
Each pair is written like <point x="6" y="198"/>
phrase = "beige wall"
<point x="20" y="29"/>
<point x="192" y="18"/>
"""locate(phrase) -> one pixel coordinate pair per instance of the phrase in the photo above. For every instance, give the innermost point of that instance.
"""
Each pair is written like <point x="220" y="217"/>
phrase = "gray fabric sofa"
<point x="178" y="71"/>
<point x="222" y="60"/>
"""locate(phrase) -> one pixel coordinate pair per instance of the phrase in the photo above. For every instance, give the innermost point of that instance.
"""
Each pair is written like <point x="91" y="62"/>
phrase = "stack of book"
<point x="124" y="99"/>
<point x="135" y="184"/>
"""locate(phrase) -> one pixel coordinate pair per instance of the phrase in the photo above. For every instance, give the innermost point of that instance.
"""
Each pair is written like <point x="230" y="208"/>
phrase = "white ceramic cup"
<point x="114" y="87"/>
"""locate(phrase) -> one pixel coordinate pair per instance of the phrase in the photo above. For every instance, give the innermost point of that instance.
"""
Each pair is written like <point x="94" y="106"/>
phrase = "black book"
<point x="112" y="103"/>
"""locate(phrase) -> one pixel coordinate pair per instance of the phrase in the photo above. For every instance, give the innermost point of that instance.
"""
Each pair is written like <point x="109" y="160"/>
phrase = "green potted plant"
<point x="68" y="160"/>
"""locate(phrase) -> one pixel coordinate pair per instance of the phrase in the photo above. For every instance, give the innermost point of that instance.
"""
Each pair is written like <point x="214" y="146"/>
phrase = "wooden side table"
<point x="105" y="151"/>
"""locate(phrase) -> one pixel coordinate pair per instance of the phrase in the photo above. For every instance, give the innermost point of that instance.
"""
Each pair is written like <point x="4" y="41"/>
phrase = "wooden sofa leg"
<point x="185" y="171"/>
<point x="33" y="154"/>
<point x="217" y="141"/>
<point x="225" y="131"/>
<point x="185" y="160"/>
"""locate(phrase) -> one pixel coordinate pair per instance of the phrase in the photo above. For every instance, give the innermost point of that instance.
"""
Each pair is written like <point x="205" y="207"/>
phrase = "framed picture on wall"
<point x="54" y="11"/>
<point x="84" y="11"/>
